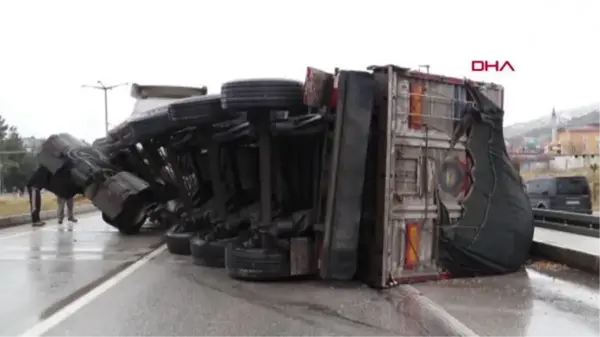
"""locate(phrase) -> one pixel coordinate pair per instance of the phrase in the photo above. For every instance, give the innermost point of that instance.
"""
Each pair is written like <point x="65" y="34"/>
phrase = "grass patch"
<point x="15" y="205"/>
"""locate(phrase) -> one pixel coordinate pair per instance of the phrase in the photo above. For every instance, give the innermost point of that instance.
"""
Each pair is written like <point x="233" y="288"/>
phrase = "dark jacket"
<point x="39" y="178"/>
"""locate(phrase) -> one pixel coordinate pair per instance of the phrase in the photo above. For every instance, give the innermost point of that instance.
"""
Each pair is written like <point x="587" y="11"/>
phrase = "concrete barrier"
<point x="22" y="219"/>
<point x="572" y="258"/>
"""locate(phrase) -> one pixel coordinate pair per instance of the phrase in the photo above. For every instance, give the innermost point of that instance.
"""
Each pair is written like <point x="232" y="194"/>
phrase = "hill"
<point x="541" y="128"/>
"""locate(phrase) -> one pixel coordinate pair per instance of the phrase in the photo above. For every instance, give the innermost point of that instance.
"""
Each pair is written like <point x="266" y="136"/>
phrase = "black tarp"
<point x="495" y="233"/>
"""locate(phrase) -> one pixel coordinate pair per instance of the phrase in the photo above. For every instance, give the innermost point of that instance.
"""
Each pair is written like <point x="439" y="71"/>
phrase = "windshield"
<point x="572" y="186"/>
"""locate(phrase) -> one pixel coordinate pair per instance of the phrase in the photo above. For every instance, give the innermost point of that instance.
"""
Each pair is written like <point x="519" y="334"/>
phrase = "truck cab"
<point x="149" y="97"/>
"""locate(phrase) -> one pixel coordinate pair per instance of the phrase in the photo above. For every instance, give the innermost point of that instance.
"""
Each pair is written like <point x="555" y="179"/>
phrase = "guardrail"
<point x="567" y="228"/>
<point x="567" y="218"/>
<point x="568" y="222"/>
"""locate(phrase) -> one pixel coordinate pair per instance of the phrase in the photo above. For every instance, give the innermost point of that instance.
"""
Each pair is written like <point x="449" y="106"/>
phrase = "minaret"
<point x="554" y="126"/>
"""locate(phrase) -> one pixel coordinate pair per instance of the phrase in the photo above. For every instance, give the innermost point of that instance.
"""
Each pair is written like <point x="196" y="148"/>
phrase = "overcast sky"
<point x="48" y="49"/>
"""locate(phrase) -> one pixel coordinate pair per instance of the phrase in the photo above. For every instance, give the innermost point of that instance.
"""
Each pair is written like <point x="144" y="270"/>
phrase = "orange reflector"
<point x="415" y="117"/>
<point x="411" y="256"/>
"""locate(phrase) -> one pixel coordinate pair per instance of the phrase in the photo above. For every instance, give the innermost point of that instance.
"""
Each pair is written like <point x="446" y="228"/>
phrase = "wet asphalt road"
<point x="45" y="269"/>
<point x="545" y="299"/>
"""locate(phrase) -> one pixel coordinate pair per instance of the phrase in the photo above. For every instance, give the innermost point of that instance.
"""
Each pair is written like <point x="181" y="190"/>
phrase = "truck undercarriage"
<point x="387" y="175"/>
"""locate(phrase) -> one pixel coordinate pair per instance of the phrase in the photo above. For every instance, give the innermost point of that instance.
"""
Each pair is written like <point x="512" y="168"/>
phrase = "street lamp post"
<point x="426" y="66"/>
<point x="104" y="88"/>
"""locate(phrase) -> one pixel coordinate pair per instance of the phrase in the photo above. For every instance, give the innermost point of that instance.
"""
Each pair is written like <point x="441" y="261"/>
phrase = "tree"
<point x="16" y="164"/>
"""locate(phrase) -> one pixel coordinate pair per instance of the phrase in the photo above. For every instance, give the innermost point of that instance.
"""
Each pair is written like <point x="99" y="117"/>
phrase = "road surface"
<point x="93" y="281"/>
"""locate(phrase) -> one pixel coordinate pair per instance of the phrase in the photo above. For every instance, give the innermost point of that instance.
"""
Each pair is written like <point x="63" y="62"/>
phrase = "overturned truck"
<point x="387" y="175"/>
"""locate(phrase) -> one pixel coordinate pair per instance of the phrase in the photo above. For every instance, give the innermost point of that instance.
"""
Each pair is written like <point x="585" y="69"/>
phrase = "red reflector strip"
<point x="411" y="255"/>
<point x="415" y="118"/>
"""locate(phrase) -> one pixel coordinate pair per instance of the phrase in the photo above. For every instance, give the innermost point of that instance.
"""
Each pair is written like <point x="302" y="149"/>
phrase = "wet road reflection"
<point x="570" y="302"/>
<point x="172" y="297"/>
<point x="43" y="267"/>
<point x="544" y="300"/>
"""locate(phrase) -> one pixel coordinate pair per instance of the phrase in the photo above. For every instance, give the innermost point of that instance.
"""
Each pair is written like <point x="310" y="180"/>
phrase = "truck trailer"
<point x="387" y="175"/>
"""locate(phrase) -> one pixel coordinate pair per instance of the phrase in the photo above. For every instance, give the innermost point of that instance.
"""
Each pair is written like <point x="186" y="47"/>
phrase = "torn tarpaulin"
<point x="496" y="231"/>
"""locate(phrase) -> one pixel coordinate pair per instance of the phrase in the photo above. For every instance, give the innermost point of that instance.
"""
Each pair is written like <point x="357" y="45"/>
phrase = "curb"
<point x="572" y="258"/>
<point x="432" y="315"/>
<point x="22" y="219"/>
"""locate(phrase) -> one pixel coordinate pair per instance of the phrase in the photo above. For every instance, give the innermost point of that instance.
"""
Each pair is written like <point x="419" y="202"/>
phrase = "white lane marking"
<point x="46" y="325"/>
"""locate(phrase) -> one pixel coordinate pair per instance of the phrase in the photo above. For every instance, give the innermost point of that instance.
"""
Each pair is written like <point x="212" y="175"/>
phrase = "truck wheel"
<point x="268" y="94"/>
<point x="125" y="225"/>
<point x="197" y="110"/>
<point x="257" y="264"/>
<point x="178" y="240"/>
<point x="209" y="253"/>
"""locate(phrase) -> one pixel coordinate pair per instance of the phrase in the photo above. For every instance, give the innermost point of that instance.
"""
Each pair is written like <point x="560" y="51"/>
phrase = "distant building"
<point x="579" y="140"/>
<point x="32" y="144"/>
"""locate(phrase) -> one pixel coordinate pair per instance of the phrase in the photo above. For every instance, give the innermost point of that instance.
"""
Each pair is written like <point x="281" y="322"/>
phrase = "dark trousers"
<point x="35" y="203"/>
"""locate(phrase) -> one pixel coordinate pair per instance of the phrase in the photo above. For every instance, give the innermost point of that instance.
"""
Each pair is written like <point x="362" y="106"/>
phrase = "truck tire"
<point x="197" y="110"/>
<point x="125" y="226"/>
<point x="178" y="240"/>
<point x="257" y="264"/>
<point x="267" y="94"/>
<point x="451" y="176"/>
<point x="209" y="253"/>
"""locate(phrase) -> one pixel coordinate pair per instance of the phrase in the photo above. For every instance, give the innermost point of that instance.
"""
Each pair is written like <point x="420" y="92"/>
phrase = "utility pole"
<point x="104" y="88"/>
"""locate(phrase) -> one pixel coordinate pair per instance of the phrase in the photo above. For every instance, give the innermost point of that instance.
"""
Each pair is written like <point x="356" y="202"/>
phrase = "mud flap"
<point x="301" y="256"/>
<point x="356" y="94"/>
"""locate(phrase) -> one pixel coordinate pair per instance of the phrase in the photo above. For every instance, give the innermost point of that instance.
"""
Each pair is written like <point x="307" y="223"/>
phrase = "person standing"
<point x="35" y="204"/>
<point x="61" y="210"/>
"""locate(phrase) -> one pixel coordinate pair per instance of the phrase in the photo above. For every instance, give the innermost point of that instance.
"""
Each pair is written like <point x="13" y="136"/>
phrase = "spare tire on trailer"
<point x="266" y="94"/>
